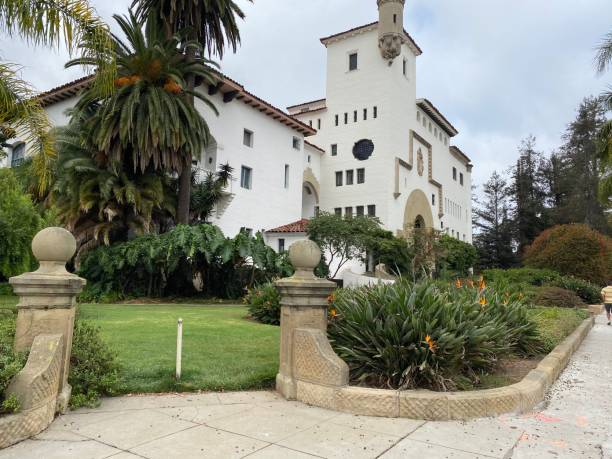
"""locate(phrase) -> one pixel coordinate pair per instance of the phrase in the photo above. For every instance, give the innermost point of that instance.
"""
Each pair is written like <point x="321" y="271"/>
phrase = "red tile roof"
<point x="314" y="146"/>
<point x="71" y="89"/>
<point x="295" y="227"/>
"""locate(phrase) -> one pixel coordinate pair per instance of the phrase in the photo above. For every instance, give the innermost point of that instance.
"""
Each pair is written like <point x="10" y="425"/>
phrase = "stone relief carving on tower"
<point x="390" y="28"/>
<point x="420" y="163"/>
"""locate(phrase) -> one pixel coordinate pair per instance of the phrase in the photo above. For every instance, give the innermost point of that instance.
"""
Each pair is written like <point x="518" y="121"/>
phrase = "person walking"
<point x="606" y="296"/>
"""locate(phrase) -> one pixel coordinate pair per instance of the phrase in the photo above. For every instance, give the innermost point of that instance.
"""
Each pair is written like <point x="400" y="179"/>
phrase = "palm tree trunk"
<point x="184" y="196"/>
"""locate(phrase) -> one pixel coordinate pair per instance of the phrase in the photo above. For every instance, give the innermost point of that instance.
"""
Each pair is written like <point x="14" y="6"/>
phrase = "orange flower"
<point x="482" y="284"/>
<point x="483" y="301"/>
<point x="431" y="343"/>
<point x="331" y="298"/>
<point x="458" y="283"/>
<point x="333" y="312"/>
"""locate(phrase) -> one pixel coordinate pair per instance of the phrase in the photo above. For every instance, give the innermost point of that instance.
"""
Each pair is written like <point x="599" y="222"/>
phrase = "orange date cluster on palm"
<point x="127" y="81"/>
<point x="172" y="86"/>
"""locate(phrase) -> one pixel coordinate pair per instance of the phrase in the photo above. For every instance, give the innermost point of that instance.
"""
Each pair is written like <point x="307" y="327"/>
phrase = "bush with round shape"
<point x="407" y="336"/>
<point x="587" y="291"/>
<point x="264" y="304"/>
<point x="556" y="297"/>
<point x="575" y="250"/>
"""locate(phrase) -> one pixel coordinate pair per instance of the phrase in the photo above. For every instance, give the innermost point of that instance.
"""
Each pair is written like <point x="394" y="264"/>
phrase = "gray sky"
<point x="498" y="69"/>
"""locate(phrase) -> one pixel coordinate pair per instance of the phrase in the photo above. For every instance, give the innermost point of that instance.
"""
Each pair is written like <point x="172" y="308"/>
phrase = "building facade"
<point x="370" y="147"/>
<point x="387" y="152"/>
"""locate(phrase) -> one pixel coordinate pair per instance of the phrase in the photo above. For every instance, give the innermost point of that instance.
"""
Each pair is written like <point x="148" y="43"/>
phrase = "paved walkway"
<point x="261" y="425"/>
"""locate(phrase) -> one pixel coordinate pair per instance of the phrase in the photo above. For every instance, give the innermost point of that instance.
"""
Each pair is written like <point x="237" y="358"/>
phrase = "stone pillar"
<point x="304" y="300"/>
<point x="47" y="299"/>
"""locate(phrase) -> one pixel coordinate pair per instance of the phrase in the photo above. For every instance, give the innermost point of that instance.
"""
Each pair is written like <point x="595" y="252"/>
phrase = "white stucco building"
<point x="387" y="152"/>
<point x="370" y="147"/>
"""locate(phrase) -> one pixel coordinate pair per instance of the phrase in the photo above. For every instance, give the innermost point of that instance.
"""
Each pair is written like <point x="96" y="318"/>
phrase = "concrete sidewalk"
<point x="261" y="425"/>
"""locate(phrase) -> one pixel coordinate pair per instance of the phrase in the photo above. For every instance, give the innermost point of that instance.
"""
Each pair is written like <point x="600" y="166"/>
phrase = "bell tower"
<point x="390" y="28"/>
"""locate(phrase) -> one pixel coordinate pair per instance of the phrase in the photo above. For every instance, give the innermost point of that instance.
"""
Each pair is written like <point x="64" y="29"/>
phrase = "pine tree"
<point x="582" y="171"/>
<point x="492" y="218"/>
<point x="529" y="194"/>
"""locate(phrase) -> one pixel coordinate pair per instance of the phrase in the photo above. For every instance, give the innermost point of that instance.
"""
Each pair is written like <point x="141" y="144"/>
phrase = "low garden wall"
<point x="311" y="372"/>
<point x="45" y="324"/>
<point x="37" y="388"/>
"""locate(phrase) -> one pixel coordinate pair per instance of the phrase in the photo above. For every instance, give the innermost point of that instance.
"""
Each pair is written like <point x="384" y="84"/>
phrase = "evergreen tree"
<point x="529" y="194"/>
<point x="492" y="218"/>
<point x="582" y="170"/>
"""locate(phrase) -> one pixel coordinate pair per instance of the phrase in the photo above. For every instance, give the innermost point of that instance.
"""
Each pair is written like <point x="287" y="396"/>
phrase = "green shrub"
<point x="587" y="291"/>
<point x="556" y="297"/>
<point x="456" y="256"/>
<point x="166" y="264"/>
<point x="11" y="363"/>
<point x="528" y="276"/>
<point x="10" y="405"/>
<point x="264" y="304"/>
<point x="575" y="250"/>
<point x="417" y="336"/>
<point x="93" y="369"/>
<point x="19" y="222"/>
<point x="6" y="289"/>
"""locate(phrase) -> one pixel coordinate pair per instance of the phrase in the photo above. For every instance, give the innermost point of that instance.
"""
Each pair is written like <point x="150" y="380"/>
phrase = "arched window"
<point x="419" y="222"/>
<point x="18" y="156"/>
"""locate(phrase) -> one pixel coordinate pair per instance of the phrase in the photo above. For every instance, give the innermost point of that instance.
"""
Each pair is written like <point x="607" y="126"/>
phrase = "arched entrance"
<point x="417" y="214"/>
<point x="310" y="194"/>
<point x="310" y="200"/>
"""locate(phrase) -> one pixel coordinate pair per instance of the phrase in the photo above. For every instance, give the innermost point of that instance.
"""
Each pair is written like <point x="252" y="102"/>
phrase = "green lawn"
<point x="221" y="350"/>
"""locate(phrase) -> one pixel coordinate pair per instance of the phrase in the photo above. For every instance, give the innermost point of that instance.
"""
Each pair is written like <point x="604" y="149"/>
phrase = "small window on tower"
<point x="365" y="114"/>
<point x="395" y="19"/>
<point x="352" y="61"/>
<point x="375" y="114"/>
<point x="355" y="116"/>
<point x="405" y="67"/>
<point x="334" y="150"/>
<point x="339" y="178"/>
<point x="433" y="199"/>
<point x="346" y="118"/>
<point x="337" y="120"/>
<point x="349" y="177"/>
<point x="319" y="123"/>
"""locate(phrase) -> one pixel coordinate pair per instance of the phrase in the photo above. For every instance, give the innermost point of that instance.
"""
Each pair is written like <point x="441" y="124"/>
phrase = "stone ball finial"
<point x="53" y="247"/>
<point x="304" y="256"/>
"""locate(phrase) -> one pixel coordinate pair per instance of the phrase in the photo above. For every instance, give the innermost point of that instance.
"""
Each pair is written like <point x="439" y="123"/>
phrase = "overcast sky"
<point x="499" y="70"/>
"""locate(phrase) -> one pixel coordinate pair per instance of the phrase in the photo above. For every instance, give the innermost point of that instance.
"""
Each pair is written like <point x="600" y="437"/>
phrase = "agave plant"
<point x="148" y="121"/>
<point x="101" y="200"/>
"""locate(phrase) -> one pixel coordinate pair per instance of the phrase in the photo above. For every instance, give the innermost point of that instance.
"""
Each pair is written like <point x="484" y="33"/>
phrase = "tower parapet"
<point x="390" y="27"/>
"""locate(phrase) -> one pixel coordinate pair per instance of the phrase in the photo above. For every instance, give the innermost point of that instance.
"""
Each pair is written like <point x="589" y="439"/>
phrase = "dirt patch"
<point x="509" y="371"/>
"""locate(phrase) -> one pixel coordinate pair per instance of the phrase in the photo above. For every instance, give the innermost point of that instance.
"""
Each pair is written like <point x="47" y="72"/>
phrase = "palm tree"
<point x="102" y="200"/>
<point x="47" y="23"/>
<point x="603" y="60"/>
<point x="207" y="193"/>
<point x="147" y="121"/>
<point x="211" y="23"/>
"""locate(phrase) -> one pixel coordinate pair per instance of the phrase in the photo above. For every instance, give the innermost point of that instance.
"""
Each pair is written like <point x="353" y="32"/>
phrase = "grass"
<point x="221" y="350"/>
<point x="224" y="351"/>
<point x="556" y="324"/>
